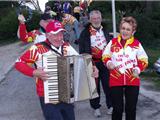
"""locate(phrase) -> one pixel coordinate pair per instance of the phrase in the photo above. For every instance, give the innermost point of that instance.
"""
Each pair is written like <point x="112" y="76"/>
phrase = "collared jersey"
<point x="98" y="42"/>
<point x="132" y="55"/>
<point x="34" y="56"/>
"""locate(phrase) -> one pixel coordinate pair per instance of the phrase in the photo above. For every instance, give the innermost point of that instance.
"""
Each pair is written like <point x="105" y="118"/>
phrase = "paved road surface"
<point x="18" y="101"/>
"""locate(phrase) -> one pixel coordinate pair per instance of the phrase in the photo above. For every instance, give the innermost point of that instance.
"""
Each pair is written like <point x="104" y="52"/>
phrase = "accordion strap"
<point x="49" y="47"/>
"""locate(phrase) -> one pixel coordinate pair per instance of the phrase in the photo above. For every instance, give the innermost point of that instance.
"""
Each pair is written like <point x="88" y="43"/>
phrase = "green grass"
<point x="154" y="77"/>
<point x="150" y="74"/>
<point x="157" y="83"/>
<point x="153" y="55"/>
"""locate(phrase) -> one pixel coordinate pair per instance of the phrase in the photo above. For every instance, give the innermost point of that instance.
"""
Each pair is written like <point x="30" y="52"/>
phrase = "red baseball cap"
<point x="54" y="27"/>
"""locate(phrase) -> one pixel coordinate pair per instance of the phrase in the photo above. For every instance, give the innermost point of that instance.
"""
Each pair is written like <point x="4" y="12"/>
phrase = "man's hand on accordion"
<point x="95" y="72"/>
<point x="40" y="73"/>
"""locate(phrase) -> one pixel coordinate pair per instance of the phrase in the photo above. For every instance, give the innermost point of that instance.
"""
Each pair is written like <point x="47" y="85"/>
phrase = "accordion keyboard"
<point x="51" y="84"/>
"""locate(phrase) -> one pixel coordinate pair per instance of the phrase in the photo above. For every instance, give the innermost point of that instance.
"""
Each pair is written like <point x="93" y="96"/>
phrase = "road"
<point x="18" y="101"/>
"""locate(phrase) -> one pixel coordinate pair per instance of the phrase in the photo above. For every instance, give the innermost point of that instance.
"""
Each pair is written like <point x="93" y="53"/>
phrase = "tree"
<point x="32" y="4"/>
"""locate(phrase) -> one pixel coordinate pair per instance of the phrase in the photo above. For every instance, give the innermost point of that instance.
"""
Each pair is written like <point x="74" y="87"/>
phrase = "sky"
<point x="42" y="4"/>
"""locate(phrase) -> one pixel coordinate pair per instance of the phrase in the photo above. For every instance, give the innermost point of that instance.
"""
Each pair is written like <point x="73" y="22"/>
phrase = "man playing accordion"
<point x="54" y="44"/>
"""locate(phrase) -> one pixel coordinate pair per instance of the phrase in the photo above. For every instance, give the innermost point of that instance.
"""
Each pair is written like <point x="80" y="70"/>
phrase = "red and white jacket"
<point x="98" y="42"/>
<point x="34" y="56"/>
<point x="32" y="36"/>
<point x="132" y="55"/>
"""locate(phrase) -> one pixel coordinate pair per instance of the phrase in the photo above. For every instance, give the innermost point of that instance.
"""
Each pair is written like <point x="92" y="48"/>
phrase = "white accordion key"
<point x="51" y="94"/>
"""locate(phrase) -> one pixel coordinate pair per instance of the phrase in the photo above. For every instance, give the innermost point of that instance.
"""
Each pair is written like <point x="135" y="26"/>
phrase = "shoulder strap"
<point x="49" y="47"/>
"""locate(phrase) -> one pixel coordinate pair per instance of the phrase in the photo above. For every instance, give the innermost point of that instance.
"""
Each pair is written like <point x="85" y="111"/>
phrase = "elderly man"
<point x="93" y="40"/>
<point x="54" y="44"/>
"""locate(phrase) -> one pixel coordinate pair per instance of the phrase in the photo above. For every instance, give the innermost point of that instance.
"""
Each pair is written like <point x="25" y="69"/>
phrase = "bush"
<point x="9" y="25"/>
<point x="147" y="32"/>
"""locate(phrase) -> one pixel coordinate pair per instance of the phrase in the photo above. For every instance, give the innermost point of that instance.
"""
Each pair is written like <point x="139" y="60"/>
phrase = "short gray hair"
<point x="94" y="12"/>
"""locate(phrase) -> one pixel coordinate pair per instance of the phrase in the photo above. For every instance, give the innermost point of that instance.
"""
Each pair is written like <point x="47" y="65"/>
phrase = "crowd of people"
<point x="65" y="13"/>
<point x="117" y="62"/>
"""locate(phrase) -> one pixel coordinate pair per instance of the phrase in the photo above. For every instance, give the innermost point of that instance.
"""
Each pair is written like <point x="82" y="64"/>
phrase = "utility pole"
<point x="114" y="18"/>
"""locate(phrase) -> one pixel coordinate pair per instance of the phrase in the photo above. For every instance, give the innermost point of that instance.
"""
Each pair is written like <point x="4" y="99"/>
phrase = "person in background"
<point x="49" y="11"/>
<point x="67" y="7"/>
<point x="54" y="39"/>
<point x="84" y="19"/>
<point x="77" y="12"/>
<point x="156" y="66"/>
<point x="72" y="21"/>
<point x="34" y="35"/>
<point x="83" y="5"/>
<point x="93" y="39"/>
<point x="58" y="9"/>
<point x="125" y="57"/>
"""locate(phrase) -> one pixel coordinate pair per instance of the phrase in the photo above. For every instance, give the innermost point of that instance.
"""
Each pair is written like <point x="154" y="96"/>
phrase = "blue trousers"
<point x="60" y="111"/>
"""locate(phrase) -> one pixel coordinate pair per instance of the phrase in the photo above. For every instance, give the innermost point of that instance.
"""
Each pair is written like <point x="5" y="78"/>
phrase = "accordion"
<point x="70" y="78"/>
